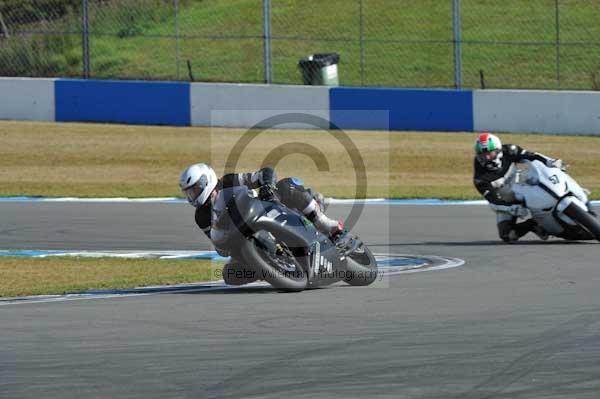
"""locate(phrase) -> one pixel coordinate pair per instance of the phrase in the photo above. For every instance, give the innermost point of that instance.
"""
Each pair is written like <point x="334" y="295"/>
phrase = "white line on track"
<point x="168" y="200"/>
<point x="445" y="263"/>
<point x="143" y="291"/>
<point x="329" y="201"/>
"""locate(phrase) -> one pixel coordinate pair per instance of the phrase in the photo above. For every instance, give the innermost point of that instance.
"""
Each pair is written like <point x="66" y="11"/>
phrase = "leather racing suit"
<point x="290" y="191"/>
<point x="490" y="184"/>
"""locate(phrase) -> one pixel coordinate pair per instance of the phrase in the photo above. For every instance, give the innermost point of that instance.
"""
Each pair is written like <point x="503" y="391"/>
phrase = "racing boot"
<point x="540" y="232"/>
<point x="531" y="225"/>
<point x="510" y="232"/>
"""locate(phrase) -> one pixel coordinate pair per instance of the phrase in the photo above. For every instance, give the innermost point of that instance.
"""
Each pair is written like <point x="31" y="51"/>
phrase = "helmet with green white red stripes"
<point x="488" y="150"/>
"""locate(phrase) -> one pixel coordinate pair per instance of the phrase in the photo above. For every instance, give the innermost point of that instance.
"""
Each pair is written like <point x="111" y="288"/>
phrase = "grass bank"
<point x="91" y="160"/>
<point x="60" y="275"/>
<point x="404" y="43"/>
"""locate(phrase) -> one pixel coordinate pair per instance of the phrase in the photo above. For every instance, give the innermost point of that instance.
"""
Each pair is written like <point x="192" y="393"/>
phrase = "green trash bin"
<point x="320" y="69"/>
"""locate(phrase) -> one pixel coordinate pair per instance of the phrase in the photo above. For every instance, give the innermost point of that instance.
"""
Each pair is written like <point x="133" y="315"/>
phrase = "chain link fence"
<point x="544" y="44"/>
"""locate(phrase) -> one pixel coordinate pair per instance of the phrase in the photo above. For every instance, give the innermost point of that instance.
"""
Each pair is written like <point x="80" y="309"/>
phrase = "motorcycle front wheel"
<point x="361" y="267"/>
<point x="281" y="271"/>
<point x="584" y="219"/>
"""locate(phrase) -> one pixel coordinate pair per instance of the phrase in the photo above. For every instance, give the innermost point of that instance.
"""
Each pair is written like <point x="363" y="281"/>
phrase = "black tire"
<point x="236" y="275"/>
<point x="283" y="280"/>
<point x="361" y="267"/>
<point x="584" y="219"/>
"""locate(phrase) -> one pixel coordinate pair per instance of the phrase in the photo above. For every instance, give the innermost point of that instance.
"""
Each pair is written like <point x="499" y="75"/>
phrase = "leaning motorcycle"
<point x="283" y="247"/>
<point x="558" y="204"/>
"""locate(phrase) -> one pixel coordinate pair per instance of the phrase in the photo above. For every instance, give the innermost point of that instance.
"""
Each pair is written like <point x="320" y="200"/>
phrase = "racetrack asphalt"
<point x="516" y="321"/>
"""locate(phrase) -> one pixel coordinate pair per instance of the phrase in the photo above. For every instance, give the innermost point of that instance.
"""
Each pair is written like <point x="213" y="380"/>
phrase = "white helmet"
<point x="197" y="182"/>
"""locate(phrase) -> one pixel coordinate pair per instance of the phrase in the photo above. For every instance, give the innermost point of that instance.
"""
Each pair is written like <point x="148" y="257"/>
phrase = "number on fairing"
<point x="273" y="213"/>
<point x="554" y="179"/>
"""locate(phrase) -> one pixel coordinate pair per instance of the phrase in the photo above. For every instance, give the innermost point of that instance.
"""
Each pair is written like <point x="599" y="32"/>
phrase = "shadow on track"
<point x="483" y="243"/>
<point x="231" y="290"/>
<point x="245" y="290"/>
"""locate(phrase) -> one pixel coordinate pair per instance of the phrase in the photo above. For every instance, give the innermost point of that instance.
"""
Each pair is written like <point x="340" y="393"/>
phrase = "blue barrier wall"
<point x="448" y="110"/>
<point x="135" y="102"/>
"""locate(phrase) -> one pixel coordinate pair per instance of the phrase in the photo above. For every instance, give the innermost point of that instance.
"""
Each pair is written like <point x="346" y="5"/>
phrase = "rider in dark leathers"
<point x="200" y="185"/>
<point x="290" y="191"/>
<point x="493" y="163"/>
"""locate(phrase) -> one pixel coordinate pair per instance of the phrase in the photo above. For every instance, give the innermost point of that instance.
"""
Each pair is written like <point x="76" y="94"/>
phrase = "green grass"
<point x="61" y="275"/>
<point x="405" y="42"/>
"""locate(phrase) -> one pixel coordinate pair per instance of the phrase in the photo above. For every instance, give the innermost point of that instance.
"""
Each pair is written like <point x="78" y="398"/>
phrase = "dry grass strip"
<point x="94" y="160"/>
<point x="59" y="275"/>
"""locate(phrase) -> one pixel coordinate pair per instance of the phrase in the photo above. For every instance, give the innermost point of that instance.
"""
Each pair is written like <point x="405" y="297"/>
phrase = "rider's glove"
<point x="498" y="183"/>
<point x="556" y="163"/>
<point x="267" y="192"/>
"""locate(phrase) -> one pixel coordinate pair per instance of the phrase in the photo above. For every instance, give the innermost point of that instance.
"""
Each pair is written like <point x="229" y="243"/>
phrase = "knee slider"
<point x="506" y="232"/>
<point x="510" y="237"/>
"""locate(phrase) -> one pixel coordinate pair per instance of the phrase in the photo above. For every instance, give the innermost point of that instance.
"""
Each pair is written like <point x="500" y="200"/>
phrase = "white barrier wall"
<point x="570" y="112"/>
<point x="237" y="105"/>
<point x="27" y="99"/>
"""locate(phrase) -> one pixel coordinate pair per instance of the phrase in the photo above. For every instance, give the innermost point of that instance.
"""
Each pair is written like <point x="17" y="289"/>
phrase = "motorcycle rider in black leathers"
<point x="493" y="163"/>
<point x="201" y="187"/>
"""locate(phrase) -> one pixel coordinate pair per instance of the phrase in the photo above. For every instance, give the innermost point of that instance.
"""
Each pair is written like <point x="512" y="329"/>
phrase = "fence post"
<point x="85" y="38"/>
<point x="4" y="30"/>
<point x="177" y="47"/>
<point x="362" y="44"/>
<point x="557" y="22"/>
<point x="267" y="41"/>
<point x="457" y="44"/>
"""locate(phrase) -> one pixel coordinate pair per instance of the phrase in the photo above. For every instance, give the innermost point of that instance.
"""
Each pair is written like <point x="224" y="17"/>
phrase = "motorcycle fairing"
<point x="547" y="193"/>
<point x="250" y="215"/>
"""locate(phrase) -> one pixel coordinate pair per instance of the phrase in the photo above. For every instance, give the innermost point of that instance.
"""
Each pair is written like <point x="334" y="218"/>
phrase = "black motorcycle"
<point x="271" y="242"/>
